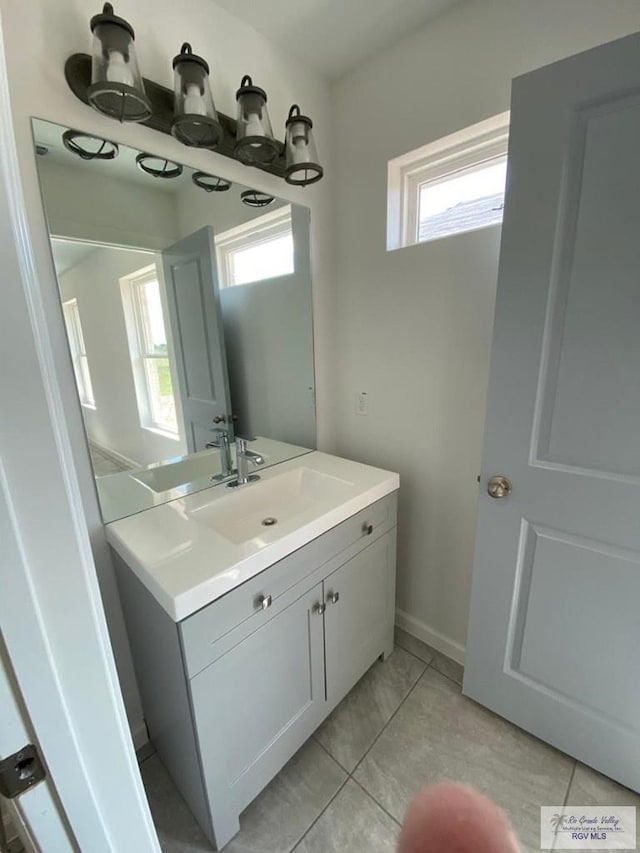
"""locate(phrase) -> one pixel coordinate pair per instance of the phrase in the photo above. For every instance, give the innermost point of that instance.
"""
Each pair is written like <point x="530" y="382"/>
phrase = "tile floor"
<point x="103" y="463"/>
<point x="404" y="725"/>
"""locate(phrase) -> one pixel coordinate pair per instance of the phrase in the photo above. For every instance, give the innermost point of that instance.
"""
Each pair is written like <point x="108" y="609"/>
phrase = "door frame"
<point x="36" y="813"/>
<point x="53" y="622"/>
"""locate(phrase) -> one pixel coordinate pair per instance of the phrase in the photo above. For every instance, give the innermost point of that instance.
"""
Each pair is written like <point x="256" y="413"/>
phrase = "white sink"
<point x="271" y="505"/>
<point x="192" y="550"/>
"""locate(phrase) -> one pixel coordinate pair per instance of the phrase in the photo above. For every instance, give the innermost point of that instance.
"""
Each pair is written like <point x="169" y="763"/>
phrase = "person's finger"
<point x="453" y="818"/>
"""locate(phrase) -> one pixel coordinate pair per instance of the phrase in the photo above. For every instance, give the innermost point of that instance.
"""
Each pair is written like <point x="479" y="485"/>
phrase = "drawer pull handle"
<point x="265" y="601"/>
<point x="367" y="529"/>
<point x="320" y="608"/>
<point x="334" y="597"/>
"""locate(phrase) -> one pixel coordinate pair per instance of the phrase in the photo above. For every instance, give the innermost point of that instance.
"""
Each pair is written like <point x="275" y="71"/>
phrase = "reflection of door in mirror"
<point x="194" y="312"/>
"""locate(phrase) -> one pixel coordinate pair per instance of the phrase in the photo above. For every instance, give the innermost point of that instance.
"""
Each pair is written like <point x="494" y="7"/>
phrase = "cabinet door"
<point x="258" y="703"/>
<point x="360" y="602"/>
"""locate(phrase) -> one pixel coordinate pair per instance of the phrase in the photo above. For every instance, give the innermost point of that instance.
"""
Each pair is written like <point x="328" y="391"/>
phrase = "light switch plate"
<point x="362" y="403"/>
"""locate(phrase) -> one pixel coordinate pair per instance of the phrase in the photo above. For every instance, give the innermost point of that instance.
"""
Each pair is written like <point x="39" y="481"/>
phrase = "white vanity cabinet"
<point x="233" y="691"/>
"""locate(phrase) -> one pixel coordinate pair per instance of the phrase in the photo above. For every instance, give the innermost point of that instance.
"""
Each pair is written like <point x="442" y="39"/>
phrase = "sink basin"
<point x="271" y="505"/>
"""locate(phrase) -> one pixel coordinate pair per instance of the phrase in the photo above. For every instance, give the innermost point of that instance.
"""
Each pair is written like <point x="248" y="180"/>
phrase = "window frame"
<point x="261" y="229"/>
<point x="138" y="354"/>
<point x="75" y="336"/>
<point x="461" y="151"/>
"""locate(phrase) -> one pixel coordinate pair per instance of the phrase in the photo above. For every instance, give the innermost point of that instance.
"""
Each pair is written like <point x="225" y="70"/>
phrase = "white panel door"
<point x="193" y="304"/>
<point x="554" y="631"/>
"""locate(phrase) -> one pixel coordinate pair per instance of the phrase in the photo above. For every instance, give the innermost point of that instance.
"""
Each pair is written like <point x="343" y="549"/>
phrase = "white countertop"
<point x="186" y="564"/>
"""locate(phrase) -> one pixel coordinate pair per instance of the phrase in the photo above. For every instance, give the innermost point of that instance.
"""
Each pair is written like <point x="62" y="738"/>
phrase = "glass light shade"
<point x="301" y="157"/>
<point x="116" y="86"/>
<point x="195" y="119"/>
<point x="255" y="144"/>
<point x="158" y="167"/>
<point x="89" y="147"/>
<point x="255" y="198"/>
<point x="210" y="183"/>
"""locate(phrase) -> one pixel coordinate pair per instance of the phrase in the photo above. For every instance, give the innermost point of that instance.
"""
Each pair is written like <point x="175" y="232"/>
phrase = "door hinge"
<point x="20" y="771"/>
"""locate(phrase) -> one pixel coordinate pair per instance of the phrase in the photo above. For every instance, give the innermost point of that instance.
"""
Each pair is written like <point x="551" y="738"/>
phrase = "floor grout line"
<point x="332" y="757"/>
<point x="310" y="827"/>
<point x="432" y="661"/>
<point x="371" y="797"/>
<point x="573" y="773"/>
<point x="383" y="729"/>
<point x="413" y="654"/>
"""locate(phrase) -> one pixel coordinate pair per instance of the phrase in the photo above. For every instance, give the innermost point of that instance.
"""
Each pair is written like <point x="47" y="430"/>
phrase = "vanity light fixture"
<point x="255" y="143"/>
<point x="89" y="147"/>
<point x="110" y="81"/>
<point x="158" y="167"/>
<point x="210" y="183"/>
<point x="195" y="120"/>
<point x="116" y="86"/>
<point x="254" y="198"/>
<point x="301" y="158"/>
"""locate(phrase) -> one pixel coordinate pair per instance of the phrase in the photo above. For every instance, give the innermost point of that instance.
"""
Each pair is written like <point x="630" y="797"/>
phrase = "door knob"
<point x="334" y="597"/>
<point x="499" y="486"/>
<point x="320" y="608"/>
<point x="264" y="601"/>
<point x="220" y="419"/>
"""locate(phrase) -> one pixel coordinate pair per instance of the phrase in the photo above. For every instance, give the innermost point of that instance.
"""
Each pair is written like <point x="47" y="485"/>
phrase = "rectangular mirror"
<point x="188" y="312"/>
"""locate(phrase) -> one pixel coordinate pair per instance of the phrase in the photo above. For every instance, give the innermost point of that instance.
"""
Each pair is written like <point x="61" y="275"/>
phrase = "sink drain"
<point x="269" y="521"/>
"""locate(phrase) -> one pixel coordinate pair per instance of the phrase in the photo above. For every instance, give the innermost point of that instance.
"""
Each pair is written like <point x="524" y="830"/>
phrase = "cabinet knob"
<point x="320" y="608"/>
<point x="367" y="529"/>
<point x="334" y="597"/>
<point x="265" y="601"/>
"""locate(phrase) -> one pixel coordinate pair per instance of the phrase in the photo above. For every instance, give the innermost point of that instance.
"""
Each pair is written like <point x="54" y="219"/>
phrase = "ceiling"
<point x="335" y="36"/>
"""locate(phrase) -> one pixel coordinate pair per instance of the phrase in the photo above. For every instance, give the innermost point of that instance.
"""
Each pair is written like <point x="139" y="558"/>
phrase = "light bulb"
<point x="254" y="125"/>
<point x="300" y="144"/>
<point x="117" y="69"/>
<point x="193" y="102"/>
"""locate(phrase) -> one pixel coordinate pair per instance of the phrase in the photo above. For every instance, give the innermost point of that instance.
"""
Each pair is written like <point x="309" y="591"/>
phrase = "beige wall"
<point x="414" y="326"/>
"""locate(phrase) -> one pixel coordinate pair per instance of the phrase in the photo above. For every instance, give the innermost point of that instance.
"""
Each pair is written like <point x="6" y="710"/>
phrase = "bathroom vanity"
<point x="251" y="615"/>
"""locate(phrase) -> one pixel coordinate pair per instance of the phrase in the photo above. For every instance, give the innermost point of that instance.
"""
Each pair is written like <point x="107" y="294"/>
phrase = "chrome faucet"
<point x="222" y="443"/>
<point x="243" y="458"/>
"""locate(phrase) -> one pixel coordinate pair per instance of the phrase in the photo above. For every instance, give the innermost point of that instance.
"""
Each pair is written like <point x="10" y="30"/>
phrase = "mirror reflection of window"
<point x="78" y="353"/>
<point x="257" y="250"/>
<point x="150" y="353"/>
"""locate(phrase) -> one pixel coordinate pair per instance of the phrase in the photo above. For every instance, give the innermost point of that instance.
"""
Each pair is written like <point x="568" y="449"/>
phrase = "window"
<point x="78" y="353"/>
<point x="454" y="185"/>
<point x="149" y="352"/>
<point x="257" y="250"/>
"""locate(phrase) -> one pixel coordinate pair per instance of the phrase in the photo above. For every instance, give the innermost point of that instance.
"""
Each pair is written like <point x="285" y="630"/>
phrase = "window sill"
<point x="174" y="436"/>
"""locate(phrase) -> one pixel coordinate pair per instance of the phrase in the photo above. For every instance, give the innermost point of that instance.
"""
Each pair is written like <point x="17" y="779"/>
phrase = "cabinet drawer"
<point x="200" y="631"/>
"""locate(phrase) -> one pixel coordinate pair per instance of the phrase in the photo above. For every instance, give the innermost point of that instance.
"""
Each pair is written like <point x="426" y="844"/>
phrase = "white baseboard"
<point x="118" y="458"/>
<point x="433" y="638"/>
<point x="139" y="734"/>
